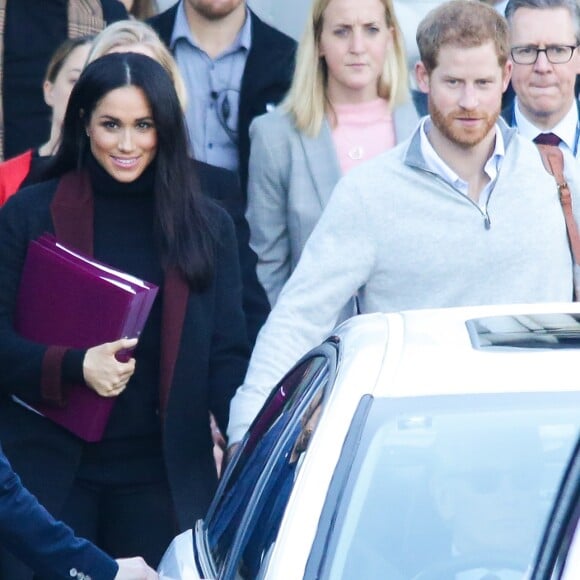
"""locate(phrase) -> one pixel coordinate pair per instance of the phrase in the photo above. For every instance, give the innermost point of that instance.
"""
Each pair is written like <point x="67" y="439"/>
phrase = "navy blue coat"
<point x="49" y="547"/>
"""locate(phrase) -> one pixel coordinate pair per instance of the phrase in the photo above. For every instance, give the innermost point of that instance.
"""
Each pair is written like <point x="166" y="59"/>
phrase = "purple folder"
<point x="68" y="299"/>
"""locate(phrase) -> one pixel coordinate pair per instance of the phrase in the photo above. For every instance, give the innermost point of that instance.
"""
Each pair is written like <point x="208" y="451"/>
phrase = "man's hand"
<point x="135" y="569"/>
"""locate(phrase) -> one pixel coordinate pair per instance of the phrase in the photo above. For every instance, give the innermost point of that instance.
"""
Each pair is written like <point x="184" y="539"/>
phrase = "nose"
<point x="356" y="42"/>
<point x="542" y="63"/>
<point x="126" y="143"/>
<point x="468" y="98"/>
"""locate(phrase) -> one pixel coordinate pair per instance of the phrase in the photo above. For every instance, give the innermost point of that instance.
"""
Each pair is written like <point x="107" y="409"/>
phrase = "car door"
<point x="244" y="519"/>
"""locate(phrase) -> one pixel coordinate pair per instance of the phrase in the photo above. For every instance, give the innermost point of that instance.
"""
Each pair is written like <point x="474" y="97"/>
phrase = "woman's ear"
<point x="47" y="91"/>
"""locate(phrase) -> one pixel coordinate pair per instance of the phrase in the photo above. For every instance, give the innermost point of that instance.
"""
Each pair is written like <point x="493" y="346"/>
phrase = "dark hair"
<point x="183" y="227"/>
<point x="61" y="55"/>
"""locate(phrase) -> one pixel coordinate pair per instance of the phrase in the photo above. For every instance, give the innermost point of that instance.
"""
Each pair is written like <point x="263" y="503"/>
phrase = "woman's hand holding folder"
<point x="102" y="370"/>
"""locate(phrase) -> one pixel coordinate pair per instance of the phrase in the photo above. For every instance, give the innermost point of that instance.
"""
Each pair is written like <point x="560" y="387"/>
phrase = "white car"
<point x="418" y="445"/>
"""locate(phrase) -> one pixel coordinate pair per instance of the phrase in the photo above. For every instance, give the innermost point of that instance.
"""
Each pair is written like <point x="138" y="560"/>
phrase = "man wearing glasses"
<point x="544" y="36"/>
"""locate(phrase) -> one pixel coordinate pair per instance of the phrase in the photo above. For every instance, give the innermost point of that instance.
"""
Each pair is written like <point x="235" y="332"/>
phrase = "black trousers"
<point x="123" y="520"/>
<point x="121" y="499"/>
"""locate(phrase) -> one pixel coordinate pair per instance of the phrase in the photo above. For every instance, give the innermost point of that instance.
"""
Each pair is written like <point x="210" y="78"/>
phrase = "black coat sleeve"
<point x="229" y="351"/>
<point x="25" y="217"/>
<point x="224" y="188"/>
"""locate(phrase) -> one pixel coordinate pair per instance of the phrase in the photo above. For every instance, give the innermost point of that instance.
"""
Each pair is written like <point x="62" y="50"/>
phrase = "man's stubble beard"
<point x="462" y="138"/>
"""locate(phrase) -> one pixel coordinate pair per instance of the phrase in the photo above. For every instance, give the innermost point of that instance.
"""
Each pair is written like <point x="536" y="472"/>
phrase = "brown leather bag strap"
<point x="554" y="164"/>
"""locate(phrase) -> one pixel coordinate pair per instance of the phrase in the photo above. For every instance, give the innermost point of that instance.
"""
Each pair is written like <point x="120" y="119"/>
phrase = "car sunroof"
<point x="554" y="330"/>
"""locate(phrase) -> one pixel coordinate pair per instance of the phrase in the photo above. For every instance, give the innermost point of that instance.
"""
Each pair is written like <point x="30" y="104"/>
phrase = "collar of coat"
<point x="72" y="215"/>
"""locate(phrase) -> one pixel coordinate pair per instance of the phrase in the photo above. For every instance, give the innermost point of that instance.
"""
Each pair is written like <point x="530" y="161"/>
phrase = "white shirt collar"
<point x="566" y="129"/>
<point x="439" y="167"/>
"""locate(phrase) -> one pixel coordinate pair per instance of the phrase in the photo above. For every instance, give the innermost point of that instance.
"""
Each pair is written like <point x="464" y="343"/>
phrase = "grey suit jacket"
<point x="291" y="179"/>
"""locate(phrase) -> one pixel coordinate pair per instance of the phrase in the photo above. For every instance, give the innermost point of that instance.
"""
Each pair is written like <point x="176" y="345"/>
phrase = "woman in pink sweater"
<point x="348" y="102"/>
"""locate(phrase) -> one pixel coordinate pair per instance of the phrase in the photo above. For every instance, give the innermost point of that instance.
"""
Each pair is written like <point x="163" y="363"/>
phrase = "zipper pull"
<point x="487" y="222"/>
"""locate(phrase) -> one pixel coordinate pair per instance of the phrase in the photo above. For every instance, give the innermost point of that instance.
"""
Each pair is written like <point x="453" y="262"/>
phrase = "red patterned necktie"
<point x="548" y="139"/>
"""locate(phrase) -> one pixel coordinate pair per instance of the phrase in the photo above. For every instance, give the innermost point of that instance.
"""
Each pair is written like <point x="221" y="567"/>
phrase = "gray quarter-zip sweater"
<point x="404" y="239"/>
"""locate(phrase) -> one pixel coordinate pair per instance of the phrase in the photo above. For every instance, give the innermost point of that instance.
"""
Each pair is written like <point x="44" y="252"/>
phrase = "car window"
<point x="248" y="513"/>
<point x="447" y="485"/>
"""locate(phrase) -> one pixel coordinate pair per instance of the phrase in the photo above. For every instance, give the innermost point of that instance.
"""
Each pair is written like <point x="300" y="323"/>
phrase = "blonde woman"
<point x="348" y="102"/>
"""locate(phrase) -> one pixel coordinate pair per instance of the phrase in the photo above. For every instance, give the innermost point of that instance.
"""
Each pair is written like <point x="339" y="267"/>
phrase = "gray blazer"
<point x="291" y="178"/>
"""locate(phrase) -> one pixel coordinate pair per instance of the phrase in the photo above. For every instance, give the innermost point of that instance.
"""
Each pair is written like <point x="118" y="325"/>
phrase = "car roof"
<point x="484" y="349"/>
<point x="412" y="353"/>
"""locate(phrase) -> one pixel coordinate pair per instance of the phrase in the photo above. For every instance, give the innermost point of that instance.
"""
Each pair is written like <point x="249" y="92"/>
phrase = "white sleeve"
<point x="337" y="260"/>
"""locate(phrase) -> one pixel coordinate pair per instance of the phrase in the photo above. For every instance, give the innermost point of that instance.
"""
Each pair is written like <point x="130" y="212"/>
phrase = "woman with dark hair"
<point x="122" y="190"/>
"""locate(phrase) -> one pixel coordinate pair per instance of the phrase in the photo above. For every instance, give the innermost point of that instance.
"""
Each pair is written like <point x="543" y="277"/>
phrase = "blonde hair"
<point x="307" y="100"/>
<point x="127" y="33"/>
<point x="61" y="54"/>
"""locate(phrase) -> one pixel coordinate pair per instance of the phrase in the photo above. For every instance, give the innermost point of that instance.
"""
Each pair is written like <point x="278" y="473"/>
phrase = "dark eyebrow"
<point x="116" y="119"/>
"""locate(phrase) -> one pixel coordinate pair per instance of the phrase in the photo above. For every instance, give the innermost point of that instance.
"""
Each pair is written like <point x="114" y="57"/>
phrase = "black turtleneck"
<point x="124" y="238"/>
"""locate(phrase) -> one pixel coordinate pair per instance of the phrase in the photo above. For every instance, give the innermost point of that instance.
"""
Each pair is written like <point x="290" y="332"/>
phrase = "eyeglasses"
<point x="556" y="54"/>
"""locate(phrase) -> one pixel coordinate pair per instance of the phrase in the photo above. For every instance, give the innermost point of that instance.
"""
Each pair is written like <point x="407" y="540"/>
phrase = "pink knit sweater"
<point x="362" y="131"/>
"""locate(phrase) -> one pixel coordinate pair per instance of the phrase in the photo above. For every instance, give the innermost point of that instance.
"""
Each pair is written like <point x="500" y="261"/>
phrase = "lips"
<point x="125" y="162"/>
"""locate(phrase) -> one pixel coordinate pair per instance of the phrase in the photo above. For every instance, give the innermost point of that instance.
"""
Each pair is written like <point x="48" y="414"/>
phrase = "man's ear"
<point x="47" y="91"/>
<point x="576" y="57"/>
<point x="507" y="74"/>
<point x="422" y="76"/>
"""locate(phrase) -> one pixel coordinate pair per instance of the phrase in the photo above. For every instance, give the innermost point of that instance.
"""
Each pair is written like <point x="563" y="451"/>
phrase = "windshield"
<point x="450" y="487"/>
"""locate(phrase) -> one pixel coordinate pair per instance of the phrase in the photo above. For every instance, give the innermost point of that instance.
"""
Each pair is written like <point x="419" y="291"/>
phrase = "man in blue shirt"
<point x="235" y="67"/>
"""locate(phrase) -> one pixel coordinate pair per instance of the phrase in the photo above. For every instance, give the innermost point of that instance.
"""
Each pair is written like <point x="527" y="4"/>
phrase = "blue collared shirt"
<point x="213" y="92"/>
